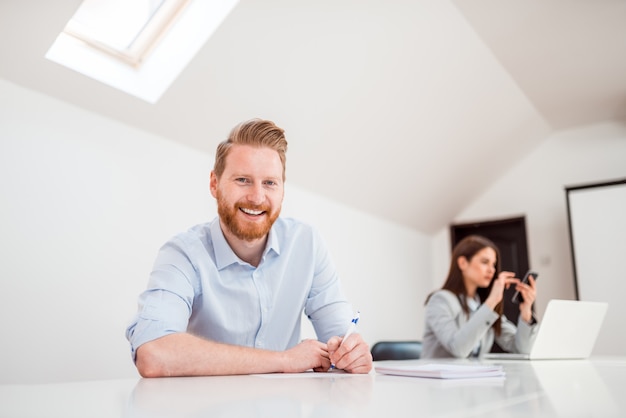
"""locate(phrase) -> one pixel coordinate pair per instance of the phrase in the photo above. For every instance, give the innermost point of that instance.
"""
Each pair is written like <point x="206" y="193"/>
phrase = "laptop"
<point x="569" y="330"/>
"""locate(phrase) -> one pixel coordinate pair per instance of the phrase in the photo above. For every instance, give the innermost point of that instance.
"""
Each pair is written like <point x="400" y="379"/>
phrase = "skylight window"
<point x="125" y="29"/>
<point x="137" y="46"/>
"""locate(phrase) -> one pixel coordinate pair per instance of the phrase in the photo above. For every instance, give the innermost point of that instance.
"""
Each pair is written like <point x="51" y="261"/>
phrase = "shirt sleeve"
<point x="442" y="317"/>
<point x="165" y="306"/>
<point x="517" y="339"/>
<point x="326" y="307"/>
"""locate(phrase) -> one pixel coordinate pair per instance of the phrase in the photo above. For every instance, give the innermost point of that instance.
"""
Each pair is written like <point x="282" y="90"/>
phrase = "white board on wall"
<point x="597" y="221"/>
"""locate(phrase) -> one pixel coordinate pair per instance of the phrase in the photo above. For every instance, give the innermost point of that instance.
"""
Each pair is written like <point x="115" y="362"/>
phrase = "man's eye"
<point x="270" y="183"/>
<point x="241" y="180"/>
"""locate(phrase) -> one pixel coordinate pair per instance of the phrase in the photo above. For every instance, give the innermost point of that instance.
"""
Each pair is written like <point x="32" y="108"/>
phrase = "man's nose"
<point x="256" y="194"/>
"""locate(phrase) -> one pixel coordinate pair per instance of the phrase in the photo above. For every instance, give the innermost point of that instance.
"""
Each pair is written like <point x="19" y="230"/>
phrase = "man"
<point x="226" y="297"/>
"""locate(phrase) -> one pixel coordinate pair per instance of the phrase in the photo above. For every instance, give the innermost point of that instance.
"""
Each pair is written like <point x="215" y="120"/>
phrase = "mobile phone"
<point x="517" y="297"/>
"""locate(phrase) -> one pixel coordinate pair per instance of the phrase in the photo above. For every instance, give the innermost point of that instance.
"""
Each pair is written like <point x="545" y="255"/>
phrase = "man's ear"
<point x="462" y="262"/>
<point x="213" y="184"/>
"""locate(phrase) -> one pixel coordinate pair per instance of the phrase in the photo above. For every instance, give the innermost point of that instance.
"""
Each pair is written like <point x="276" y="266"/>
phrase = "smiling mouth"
<point x="252" y="212"/>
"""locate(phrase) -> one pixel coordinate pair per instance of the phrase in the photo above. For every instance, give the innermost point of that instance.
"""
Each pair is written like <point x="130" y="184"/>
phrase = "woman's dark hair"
<point x="468" y="247"/>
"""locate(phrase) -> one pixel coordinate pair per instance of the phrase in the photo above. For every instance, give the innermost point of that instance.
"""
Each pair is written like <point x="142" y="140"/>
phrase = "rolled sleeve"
<point x="166" y="305"/>
<point x="160" y="314"/>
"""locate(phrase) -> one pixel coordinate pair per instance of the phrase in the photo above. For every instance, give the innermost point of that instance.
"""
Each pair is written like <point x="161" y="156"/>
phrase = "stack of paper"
<point x="442" y="371"/>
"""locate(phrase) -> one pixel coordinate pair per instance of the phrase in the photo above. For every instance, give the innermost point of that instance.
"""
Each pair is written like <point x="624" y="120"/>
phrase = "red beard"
<point x="247" y="231"/>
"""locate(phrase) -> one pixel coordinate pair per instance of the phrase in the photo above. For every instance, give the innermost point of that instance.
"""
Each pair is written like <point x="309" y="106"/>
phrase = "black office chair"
<point x="396" y="350"/>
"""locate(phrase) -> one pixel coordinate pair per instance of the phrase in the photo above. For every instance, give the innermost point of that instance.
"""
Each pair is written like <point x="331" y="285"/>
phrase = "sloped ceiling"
<point x="403" y="109"/>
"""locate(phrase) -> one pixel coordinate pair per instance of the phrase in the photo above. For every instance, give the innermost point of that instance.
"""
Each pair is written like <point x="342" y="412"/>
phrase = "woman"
<point x="464" y="317"/>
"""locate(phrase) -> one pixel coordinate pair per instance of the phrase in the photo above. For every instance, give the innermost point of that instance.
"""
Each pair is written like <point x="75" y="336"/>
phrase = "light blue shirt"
<point x="199" y="285"/>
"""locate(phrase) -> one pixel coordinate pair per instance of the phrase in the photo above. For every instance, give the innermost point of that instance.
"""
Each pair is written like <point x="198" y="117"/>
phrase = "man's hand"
<point x="309" y="354"/>
<point x="352" y="355"/>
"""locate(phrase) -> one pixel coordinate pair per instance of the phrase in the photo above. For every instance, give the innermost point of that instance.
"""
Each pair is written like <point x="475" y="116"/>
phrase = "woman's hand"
<point x="504" y="280"/>
<point x="529" y="293"/>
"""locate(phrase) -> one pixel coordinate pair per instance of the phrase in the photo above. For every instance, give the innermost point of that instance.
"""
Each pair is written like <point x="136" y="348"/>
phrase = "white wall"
<point x="535" y="187"/>
<point x="86" y="203"/>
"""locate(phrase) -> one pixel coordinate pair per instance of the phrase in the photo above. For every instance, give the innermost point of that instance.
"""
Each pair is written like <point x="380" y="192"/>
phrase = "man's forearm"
<point x="184" y="354"/>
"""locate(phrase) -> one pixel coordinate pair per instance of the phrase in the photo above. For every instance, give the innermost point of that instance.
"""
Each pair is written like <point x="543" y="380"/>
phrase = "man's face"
<point x="250" y="191"/>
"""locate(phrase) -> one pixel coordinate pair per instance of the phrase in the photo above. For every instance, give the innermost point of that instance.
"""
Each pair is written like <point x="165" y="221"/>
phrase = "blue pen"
<point x="350" y="330"/>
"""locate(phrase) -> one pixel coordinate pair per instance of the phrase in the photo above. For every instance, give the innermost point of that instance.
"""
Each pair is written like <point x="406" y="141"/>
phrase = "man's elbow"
<point x="149" y="363"/>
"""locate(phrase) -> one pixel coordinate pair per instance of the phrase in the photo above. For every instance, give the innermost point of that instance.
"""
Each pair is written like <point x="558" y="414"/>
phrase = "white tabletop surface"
<point x="540" y="388"/>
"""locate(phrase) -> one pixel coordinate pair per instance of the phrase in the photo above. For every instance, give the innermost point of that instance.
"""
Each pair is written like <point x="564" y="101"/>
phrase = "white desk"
<point x="585" y="388"/>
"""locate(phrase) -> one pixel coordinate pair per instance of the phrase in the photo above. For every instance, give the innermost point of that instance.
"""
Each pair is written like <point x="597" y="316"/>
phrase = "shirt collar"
<point x="473" y="303"/>
<point x="225" y="256"/>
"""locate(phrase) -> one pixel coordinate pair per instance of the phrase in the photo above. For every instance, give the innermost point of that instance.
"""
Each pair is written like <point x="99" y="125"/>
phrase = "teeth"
<point x="252" y="212"/>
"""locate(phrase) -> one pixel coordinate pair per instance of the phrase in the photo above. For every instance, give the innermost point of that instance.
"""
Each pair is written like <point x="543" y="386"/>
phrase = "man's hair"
<point x="254" y="132"/>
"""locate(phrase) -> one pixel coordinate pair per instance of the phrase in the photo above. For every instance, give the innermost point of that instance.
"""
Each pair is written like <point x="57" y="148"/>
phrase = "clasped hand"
<point x="352" y="356"/>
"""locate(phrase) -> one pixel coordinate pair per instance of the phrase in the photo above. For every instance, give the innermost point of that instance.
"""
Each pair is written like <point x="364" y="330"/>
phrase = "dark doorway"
<point x="510" y="237"/>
